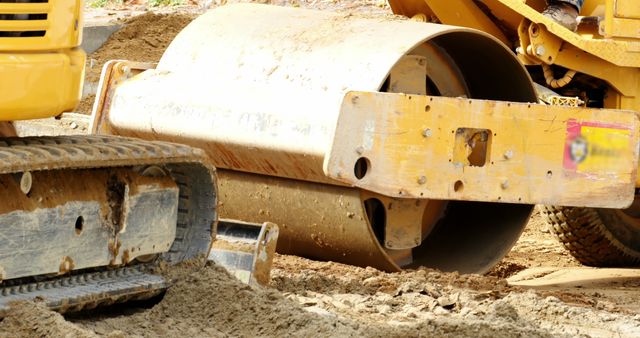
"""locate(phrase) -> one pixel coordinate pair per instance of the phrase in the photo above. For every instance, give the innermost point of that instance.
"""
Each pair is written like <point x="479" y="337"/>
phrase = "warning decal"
<point x="596" y="148"/>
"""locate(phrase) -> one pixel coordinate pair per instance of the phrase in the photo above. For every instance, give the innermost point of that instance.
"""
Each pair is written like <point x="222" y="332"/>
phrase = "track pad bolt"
<point x="25" y="182"/>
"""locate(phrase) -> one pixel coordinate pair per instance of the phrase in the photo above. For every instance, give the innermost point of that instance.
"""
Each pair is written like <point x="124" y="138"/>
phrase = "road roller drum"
<point x="378" y="142"/>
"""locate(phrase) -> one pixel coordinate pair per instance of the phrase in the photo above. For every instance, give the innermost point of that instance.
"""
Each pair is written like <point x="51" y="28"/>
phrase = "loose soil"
<point x="310" y="298"/>
<point x="143" y="38"/>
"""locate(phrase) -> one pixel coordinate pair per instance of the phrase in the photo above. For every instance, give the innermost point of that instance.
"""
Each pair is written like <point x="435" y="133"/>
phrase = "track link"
<point x="84" y="152"/>
<point x="85" y="291"/>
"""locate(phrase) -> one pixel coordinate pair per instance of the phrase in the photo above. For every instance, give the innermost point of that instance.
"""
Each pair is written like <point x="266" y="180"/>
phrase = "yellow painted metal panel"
<point x="40" y="85"/>
<point x="465" y="13"/>
<point x="615" y="51"/>
<point x="23" y="25"/>
<point x="62" y="32"/>
<point x="625" y="28"/>
<point x="24" y="8"/>
<point x="593" y="8"/>
<point x="618" y="52"/>
<point x="623" y="79"/>
<point x="627" y="9"/>
<point x="460" y="149"/>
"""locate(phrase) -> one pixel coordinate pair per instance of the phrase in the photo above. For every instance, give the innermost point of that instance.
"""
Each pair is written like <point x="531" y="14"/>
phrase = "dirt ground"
<point x="309" y="298"/>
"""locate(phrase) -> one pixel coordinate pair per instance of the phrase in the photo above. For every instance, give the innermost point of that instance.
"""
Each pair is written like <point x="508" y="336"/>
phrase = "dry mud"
<point x="309" y="298"/>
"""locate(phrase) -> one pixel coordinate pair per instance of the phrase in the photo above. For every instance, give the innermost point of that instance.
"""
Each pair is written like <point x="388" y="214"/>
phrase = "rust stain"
<point x="126" y="257"/>
<point x="66" y="265"/>
<point x="7" y="129"/>
<point x="270" y="167"/>
<point x="114" y="249"/>
<point x="221" y="151"/>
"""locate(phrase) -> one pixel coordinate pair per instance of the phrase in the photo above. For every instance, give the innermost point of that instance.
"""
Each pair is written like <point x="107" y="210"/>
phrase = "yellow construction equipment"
<point x="387" y="142"/>
<point x="84" y="220"/>
<point x="598" y="65"/>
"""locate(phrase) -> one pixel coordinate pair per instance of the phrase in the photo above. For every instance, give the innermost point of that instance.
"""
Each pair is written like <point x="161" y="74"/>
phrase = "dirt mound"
<point x="143" y="38"/>
<point x="506" y="269"/>
<point x="213" y="303"/>
<point x="28" y="319"/>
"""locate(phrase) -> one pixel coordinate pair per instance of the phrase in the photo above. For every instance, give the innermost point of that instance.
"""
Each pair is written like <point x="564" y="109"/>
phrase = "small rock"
<point x="116" y="334"/>
<point x="440" y="311"/>
<point x="340" y="305"/>
<point x="363" y="308"/>
<point x="320" y="311"/>
<point x="307" y="301"/>
<point x="505" y="310"/>
<point x="372" y="281"/>
<point x="446" y="302"/>
<point x="465" y="312"/>
<point x="383" y="309"/>
<point x="607" y="317"/>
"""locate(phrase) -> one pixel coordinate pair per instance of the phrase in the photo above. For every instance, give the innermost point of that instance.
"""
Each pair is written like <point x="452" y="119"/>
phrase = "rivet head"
<point x="427" y="132"/>
<point x="360" y="150"/>
<point x="508" y="154"/>
<point x="504" y="184"/>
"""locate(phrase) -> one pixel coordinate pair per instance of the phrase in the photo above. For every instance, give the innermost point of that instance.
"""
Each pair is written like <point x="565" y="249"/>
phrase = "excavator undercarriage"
<point x="103" y="209"/>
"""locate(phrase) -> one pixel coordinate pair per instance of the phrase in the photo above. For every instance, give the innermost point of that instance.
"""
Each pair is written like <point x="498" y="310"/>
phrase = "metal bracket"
<point x="433" y="147"/>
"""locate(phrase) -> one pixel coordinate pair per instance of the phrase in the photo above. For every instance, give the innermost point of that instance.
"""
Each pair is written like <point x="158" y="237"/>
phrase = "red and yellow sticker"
<point x="596" y="148"/>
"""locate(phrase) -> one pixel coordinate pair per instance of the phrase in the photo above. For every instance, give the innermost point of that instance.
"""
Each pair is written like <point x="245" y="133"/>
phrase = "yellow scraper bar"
<point x="460" y="149"/>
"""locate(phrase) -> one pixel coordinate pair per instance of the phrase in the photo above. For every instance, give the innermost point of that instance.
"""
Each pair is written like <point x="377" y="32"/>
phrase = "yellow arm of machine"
<point x="606" y="45"/>
<point x="41" y="66"/>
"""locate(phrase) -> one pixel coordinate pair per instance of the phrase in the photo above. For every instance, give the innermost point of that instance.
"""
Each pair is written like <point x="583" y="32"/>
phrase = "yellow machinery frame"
<point x="608" y="49"/>
<point x="606" y="46"/>
<point x="41" y="65"/>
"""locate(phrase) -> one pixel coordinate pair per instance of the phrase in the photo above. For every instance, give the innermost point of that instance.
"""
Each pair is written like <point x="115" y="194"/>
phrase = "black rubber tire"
<point x="596" y="237"/>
